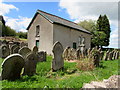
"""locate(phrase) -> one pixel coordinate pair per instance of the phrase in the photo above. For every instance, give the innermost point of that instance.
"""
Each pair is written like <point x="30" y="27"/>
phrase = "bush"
<point x="86" y="64"/>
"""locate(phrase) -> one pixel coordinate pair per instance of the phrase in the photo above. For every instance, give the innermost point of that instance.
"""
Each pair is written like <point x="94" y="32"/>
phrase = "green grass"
<point x="70" y="77"/>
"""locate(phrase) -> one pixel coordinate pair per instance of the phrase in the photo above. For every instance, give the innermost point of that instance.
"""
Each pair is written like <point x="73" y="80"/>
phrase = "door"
<point x="37" y="43"/>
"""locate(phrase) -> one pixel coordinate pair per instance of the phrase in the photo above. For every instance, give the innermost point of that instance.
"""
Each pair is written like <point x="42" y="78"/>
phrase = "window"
<point x="37" y="43"/>
<point x="37" y="30"/>
<point x="74" y="45"/>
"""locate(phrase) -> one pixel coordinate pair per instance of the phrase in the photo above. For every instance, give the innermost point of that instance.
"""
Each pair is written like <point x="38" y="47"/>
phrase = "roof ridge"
<point x="57" y="16"/>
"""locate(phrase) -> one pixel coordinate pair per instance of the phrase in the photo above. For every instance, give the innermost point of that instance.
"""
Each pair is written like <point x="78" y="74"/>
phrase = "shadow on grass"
<point x="101" y="65"/>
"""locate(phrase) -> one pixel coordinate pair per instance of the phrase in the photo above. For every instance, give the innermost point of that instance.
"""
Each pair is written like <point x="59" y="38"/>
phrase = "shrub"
<point x="86" y="64"/>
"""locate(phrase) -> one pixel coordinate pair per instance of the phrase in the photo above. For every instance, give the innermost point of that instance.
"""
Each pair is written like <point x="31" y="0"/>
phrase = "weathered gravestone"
<point x="24" y="51"/>
<point x="12" y="66"/>
<point x="16" y="49"/>
<point x="42" y="56"/>
<point x="78" y="52"/>
<point x="110" y="55"/>
<point x="30" y="64"/>
<point x="88" y="52"/>
<point x="22" y="44"/>
<point x="114" y="54"/>
<point x="106" y="55"/>
<point x="117" y="55"/>
<point x="35" y="49"/>
<point x="66" y="52"/>
<point x="13" y="48"/>
<point x="73" y="55"/>
<point x="96" y="57"/>
<point x="101" y="55"/>
<point x="58" y="62"/>
<point x="5" y="51"/>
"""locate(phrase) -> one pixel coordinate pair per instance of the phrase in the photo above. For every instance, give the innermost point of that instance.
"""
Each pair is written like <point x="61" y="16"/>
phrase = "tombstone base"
<point x="58" y="69"/>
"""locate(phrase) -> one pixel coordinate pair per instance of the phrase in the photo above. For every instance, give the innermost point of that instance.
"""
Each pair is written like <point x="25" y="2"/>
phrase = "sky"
<point x="19" y="14"/>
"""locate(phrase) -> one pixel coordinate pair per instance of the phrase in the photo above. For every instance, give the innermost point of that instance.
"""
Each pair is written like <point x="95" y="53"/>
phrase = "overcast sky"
<point x="18" y="15"/>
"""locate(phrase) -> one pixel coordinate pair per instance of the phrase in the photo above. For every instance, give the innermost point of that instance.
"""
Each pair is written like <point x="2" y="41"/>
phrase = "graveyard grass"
<point x="70" y="77"/>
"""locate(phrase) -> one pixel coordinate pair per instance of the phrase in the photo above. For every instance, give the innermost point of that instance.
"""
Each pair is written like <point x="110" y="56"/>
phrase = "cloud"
<point x="79" y="10"/>
<point x="18" y="24"/>
<point x="6" y="8"/>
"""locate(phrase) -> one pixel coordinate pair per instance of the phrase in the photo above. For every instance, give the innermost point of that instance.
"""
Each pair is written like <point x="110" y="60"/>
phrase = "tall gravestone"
<point x="58" y="62"/>
<point x="24" y="51"/>
<point x="12" y="66"/>
<point x="5" y="50"/>
<point x="30" y="64"/>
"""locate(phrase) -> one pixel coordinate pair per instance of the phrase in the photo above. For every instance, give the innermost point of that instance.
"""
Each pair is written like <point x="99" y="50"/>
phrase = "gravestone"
<point x="30" y="64"/>
<point x="110" y="55"/>
<point x="22" y="44"/>
<point x="12" y="48"/>
<point x="101" y="55"/>
<point x="35" y="49"/>
<point x="88" y="51"/>
<point x="58" y="62"/>
<point x="106" y="55"/>
<point x="12" y="66"/>
<point x="65" y="53"/>
<point x="24" y="51"/>
<point x="96" y="58"/>
<point x="5" y="50"/>
<point x="73" y="55"/>
<point x="16" y="49"/>
<point x="117" y="55"/>
<point x="114" y="54"/>
<point x="41" y="56"/>
<point x="78" y="53"/>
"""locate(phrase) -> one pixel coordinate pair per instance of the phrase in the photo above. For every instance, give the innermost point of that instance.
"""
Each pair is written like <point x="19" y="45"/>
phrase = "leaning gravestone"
<point x="30" y="64"/>
<point x="5" y="51"/>
<point x="12" y="66"/>
<point x="41" y="56"/>
<point x="58" y="62"/>
<point x="24" y="51"/>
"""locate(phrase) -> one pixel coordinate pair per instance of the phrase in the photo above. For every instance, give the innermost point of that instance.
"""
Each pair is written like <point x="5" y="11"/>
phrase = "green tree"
<point x="7" y="31"/>
<point x="103" y="26"/>
<point x="22" y="35"/>
<point x="90" y="25"/>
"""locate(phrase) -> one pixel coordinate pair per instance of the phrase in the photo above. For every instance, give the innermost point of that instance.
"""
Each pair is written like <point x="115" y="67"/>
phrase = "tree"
<point x="7" y="31"/>
<point x="99" y="29"/>
<point x="90" y="25"/>
<point x="22" y="35"/>
<point x="104" y="27"/>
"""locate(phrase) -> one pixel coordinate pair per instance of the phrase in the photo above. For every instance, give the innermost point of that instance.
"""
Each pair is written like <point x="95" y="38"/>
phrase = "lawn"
<point x="70" y="77"/>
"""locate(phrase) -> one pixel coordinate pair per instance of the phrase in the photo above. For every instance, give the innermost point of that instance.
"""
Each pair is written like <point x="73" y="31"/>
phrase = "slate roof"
<point x="58" y="20"/>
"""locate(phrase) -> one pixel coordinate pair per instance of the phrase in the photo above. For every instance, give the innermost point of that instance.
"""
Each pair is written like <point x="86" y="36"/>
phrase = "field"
<point x="70" y="77"/>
